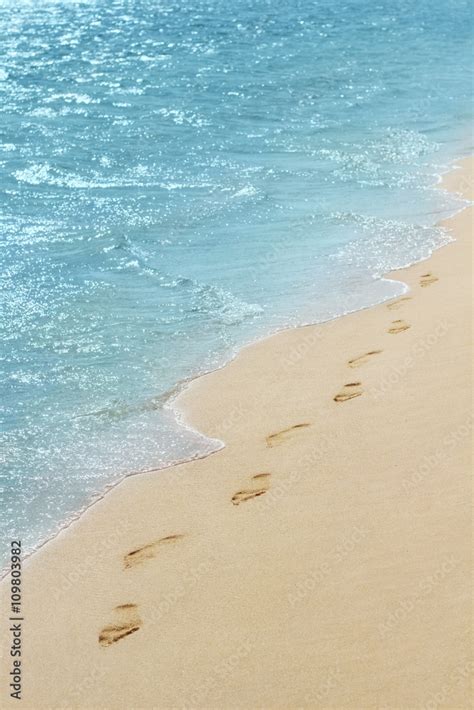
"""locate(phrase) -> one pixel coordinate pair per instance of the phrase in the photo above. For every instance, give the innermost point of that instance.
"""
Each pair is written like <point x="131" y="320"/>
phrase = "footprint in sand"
<point x="398" y="304"/>
<point x="128" y="621"/>
<point x="398" y="326"/>
<point x="262" y="481"/>
<point x="427" y="279"/>
<point x="281" y="436"/>
<point x="349" y="391"/>
<point x="362" y="359"/>
<point x="147" y="552"/>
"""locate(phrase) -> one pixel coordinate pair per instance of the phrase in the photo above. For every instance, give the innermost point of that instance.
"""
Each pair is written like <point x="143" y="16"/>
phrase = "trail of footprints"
<point x="354" y="389"/>
<point x="126" y="617"/>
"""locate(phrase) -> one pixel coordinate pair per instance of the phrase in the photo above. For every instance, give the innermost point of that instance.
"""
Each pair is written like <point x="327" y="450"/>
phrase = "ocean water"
<point x="181" y="177"/>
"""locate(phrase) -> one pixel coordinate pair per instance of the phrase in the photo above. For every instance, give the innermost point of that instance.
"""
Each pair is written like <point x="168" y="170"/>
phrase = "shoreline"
<point x="178" y="391"/>
<point x="270" y="554"/>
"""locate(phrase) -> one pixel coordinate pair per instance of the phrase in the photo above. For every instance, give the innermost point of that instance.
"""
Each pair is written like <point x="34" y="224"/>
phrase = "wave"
<point x="139" y="175"/>
<point x="386" y="244"/>
<point x="43" y="173"/>
<point x="247" y="191"/>
<point x="403" y="146"/>
<point x="43" y="112"/>
<point x="180" y="117"/>
<point x="72" y="97"/>
<point x="221" y="305"/>
<point x="374" y="162"/>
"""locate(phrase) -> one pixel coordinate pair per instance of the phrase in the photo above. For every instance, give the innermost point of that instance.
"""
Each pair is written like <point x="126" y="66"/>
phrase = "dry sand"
<point x="321" y="559"/>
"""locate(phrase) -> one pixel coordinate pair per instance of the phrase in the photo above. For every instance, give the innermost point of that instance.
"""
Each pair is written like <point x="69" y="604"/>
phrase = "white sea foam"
<point x="221" y="305"/>
<point x="180" y="117"/>
<point x="44" y="173"/>
<point x="247" y="191"/>
<point x="34" y="175"/>
<point x="72" y="97"/>
<point x="403" y="146"/>
<point x="386" y="244"/>
<point x="43" y="112"/>
<point x="372" y="163"/>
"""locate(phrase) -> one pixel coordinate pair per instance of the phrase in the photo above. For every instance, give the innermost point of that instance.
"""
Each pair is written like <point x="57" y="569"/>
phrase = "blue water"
<point x="179" y="178"/>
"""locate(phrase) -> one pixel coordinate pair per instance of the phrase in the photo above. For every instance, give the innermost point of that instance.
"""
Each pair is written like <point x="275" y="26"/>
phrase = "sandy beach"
<point x="321" y="559"/>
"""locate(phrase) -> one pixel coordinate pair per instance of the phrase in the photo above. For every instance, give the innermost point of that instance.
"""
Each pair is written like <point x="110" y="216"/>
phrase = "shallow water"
<point x="180" y="178"/>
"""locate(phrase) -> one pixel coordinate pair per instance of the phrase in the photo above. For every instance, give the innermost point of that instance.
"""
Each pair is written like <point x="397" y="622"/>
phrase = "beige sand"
<point x="322" y="559"/>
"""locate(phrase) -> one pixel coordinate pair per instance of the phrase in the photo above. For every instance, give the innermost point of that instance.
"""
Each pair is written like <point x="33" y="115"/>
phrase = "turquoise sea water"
<point x="179" y="178"/>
